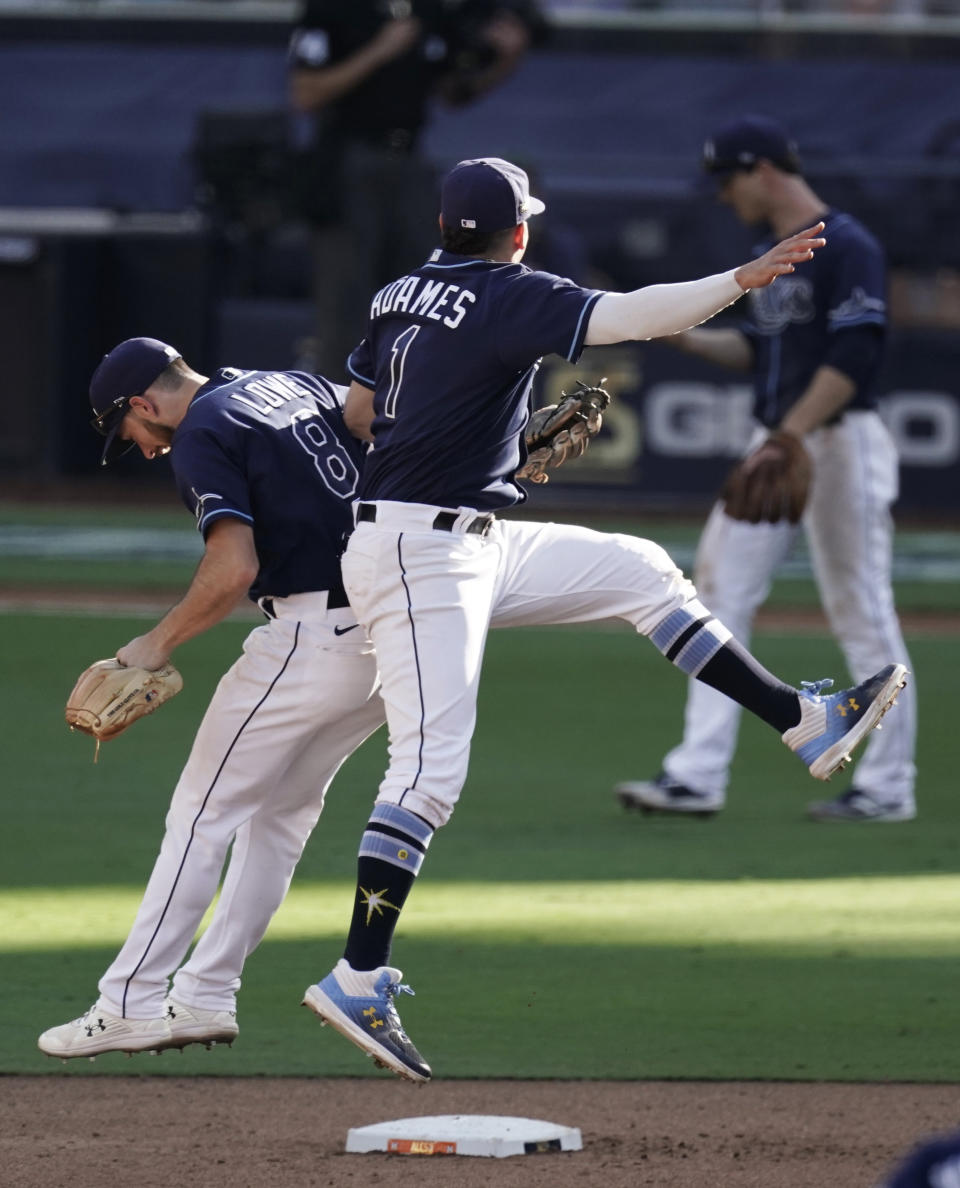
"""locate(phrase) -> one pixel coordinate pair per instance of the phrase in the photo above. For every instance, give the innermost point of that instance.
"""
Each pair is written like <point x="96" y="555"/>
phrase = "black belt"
<point x="336" y="599"/>
<point x="442" y="522"/>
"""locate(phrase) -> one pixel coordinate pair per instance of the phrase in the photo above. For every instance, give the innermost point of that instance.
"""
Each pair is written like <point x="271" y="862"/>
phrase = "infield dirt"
<point x="212" y="1132"/>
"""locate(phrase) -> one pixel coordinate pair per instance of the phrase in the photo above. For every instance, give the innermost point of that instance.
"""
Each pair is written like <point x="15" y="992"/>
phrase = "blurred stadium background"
<point x="148" y="160"/>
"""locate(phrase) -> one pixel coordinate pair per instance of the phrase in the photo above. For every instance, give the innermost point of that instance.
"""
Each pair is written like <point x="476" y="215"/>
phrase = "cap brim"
<point x="535" y="206"/>
<point x="115" y="447"/>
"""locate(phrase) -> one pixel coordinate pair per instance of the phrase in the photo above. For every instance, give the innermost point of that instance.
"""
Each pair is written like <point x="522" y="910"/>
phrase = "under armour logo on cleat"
<point x="374" y="1022"/>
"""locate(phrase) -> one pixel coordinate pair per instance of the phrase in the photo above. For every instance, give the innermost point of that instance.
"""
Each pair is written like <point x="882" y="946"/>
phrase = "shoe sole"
<point x="209" y="1039"/>
<point x="157" y="1048"/>
<point x="634" y="800"/>
<point x="837" y="757"/>
<point x="838" y="818"/>
<point x="327" y="1011"/>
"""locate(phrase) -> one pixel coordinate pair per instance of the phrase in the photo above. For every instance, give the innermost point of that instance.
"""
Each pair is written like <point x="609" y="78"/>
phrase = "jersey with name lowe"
<point x="271" y="449"/>
<point x="451" y="351"/>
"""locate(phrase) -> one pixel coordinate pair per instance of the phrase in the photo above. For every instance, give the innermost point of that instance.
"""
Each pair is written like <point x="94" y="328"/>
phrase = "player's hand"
<point x="395" y="38"/>
<point x="142" y="652"/>
<point x="780" y="259"/>
<point x="507" y="35"/>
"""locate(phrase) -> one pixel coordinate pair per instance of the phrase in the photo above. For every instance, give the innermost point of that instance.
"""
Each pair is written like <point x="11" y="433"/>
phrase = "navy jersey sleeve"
<point x="856" y="294"/>
<point x="543" y="314"/>
<point x="360" y="365"/>
<point x="211" y="482"/>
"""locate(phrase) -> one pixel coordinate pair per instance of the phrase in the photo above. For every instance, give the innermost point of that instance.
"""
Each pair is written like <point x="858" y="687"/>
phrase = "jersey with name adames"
<point x="450" y="353"/>
<point x="270" y="448"/>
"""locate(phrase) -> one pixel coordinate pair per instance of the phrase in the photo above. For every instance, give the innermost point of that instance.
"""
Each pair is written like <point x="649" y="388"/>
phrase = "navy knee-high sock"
<point x="391" y="853"/>
<point x="700" y="645"/>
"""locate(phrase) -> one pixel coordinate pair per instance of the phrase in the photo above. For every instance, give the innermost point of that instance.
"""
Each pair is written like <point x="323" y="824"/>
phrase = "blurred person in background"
<point x="813" y="344"/>
<point x="367" y="72"/>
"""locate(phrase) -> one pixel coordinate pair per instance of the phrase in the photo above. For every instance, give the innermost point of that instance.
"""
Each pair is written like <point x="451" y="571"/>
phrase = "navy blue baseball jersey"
<point x="794" y="322"/>
<point x="270" y="448"/>
<point x="450" y="353"/>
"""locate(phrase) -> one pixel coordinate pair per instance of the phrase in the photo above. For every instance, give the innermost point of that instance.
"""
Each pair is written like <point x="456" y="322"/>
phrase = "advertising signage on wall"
<point x="676" y="425"/>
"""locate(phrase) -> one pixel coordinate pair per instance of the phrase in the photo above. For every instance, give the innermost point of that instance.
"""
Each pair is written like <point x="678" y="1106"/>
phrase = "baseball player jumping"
<point x="814" y="345"/>
<point x="440" y="384"/>
<point x="264" y="462"/>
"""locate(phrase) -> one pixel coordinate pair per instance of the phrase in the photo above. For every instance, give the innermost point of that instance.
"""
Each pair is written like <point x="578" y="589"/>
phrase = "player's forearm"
<point x="725" y="346"/>
<point x="313" y="89"/>
<point x="828" y="392"/>
<point x="316" y="87"/>
<point x="222" y="578"/>
<point x="660" y="310"/>
<point x="358" y="411"/>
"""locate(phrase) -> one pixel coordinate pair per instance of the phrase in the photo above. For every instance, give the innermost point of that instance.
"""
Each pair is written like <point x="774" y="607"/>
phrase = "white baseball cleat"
<point x="664" y="795"/>
<point x="194" y="1025"/>
<point x="100" y="1031"/>
<point x="831" y="726"/>
<point x="854" y="805"/>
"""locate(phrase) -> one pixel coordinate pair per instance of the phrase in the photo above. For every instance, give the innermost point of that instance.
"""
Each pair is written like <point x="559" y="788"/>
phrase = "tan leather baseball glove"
<point x="109" y="697"/>
<point x="561" y="431"/>
<point x="772" y="483"/>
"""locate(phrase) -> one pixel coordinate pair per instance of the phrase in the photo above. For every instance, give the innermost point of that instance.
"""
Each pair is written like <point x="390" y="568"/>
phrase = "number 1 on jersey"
<point x="398" y="357"/>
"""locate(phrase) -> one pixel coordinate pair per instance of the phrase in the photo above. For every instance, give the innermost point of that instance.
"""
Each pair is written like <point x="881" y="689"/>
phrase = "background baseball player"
<point x="813" y="343"/>
<point x="264" y="461"/>
<point x="440" y="384"/>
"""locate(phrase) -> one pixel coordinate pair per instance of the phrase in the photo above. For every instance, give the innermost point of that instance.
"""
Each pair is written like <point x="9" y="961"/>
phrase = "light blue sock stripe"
<point x="701" y="649"/>
<point x="392" y="850"/>
<point x="667" y="632"/>
<point x="402" y="819"/>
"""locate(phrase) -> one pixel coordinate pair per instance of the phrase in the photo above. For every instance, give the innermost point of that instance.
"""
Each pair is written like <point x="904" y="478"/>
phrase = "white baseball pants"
<point x="283" y="719"/>
<point x="428" y="597"/>
<point x="849" y="532"/>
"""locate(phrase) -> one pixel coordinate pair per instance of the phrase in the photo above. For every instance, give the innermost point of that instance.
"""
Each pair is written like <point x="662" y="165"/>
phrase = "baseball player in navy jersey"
<point x="440" y="384"/>
<point x="813" y="343"/>
<point x="265" y="463"/>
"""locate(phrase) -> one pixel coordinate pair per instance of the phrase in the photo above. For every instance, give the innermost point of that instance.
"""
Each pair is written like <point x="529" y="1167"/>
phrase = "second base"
<point x="464" y="1134"/>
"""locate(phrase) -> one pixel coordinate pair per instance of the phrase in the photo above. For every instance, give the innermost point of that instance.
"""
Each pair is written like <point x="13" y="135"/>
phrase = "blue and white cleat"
<point x="831" y="726"/>
<point x="359" y="1004"/>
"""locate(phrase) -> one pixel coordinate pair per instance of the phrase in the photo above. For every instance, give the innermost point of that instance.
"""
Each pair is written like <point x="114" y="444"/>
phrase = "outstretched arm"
<point x="313" y="88"/>
<point x="660" y="310"/>
<point x="225" y="573"/>
<point x="725" y="346"/>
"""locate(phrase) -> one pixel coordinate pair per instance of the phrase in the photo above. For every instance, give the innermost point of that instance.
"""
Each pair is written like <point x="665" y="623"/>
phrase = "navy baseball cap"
<point x="128" y="370"/>
<point x="741" y="143"/>
<point x="487" y="194"/>
<point x="935" y="1162"/>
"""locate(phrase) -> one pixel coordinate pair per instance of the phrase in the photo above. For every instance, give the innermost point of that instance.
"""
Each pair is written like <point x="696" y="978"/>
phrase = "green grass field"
<point x="550" y="935"/>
